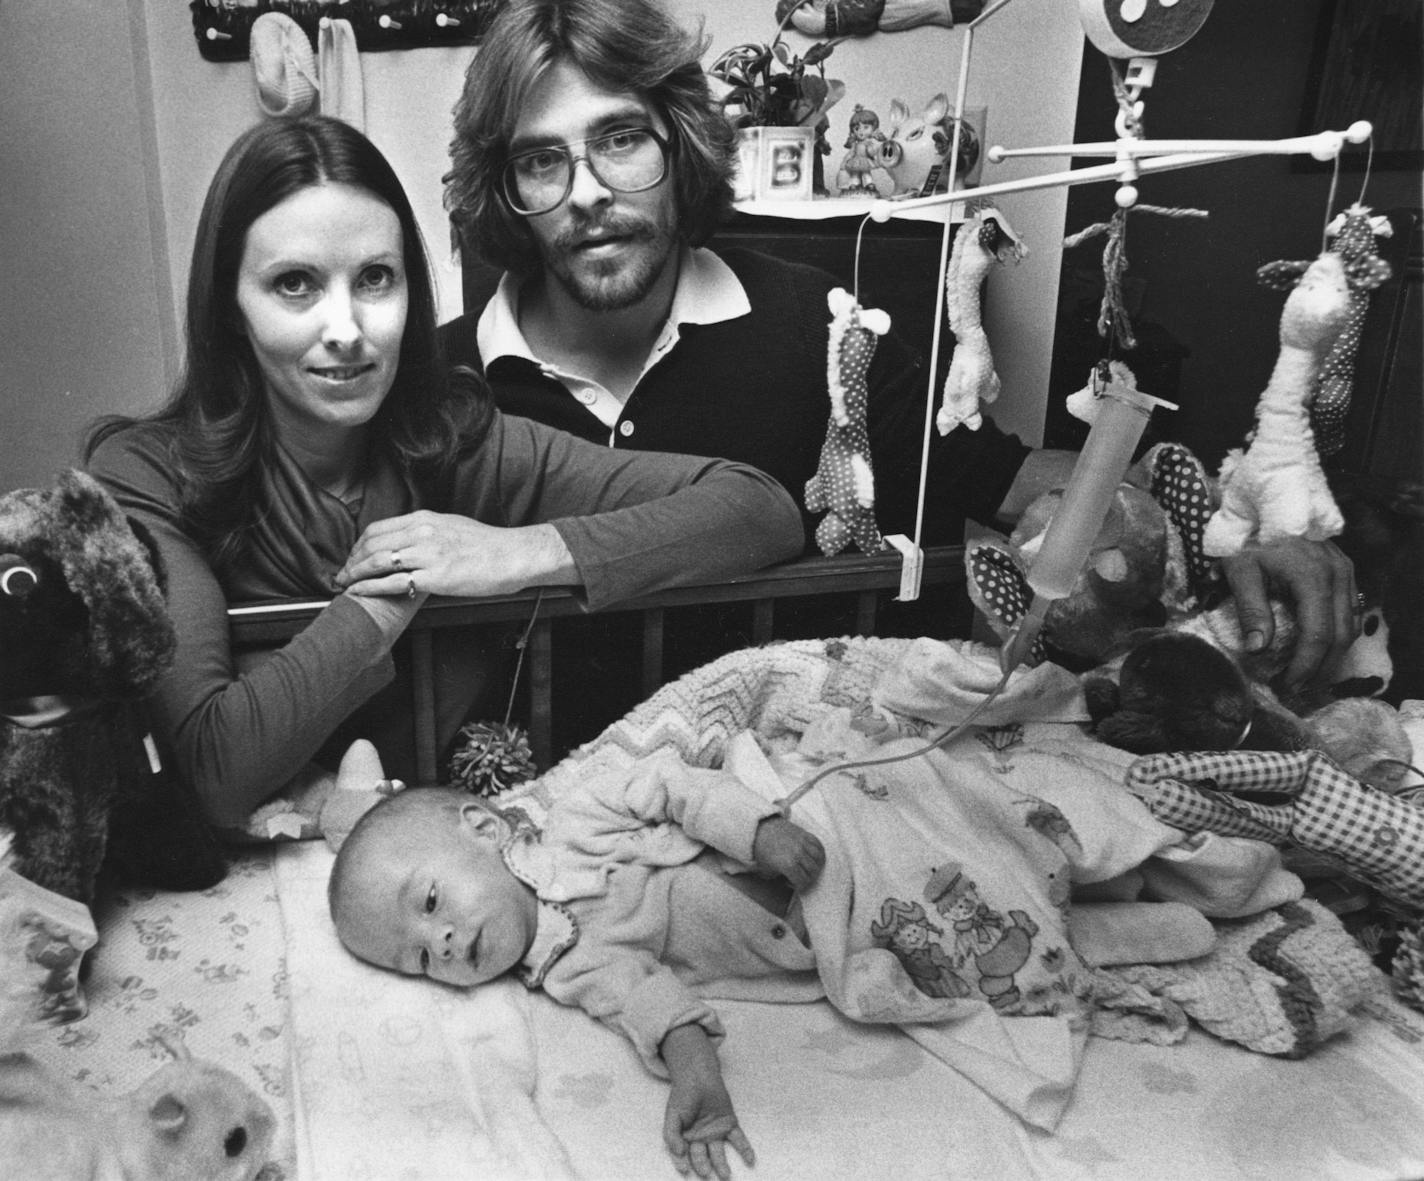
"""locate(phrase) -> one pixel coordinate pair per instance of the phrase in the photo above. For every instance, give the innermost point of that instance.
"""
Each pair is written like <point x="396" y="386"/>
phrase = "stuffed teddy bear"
<point x="84" y="635"/>
<point x="844" y="484"/>
<point x="985" y="240"/>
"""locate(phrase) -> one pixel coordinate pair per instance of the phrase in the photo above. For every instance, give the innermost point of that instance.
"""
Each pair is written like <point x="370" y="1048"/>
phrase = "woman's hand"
<point x="784" y="847"/>
<point x="1318" y="581"/>
<point x="445" y="554"/>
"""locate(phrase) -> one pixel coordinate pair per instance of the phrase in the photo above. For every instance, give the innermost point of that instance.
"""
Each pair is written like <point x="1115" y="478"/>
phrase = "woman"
<point x="315" y="443"/>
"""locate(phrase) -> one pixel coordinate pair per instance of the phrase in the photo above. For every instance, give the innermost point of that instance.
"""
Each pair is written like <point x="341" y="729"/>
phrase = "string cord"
<point x="522" y="644"/>
<point x="934" y="744"/>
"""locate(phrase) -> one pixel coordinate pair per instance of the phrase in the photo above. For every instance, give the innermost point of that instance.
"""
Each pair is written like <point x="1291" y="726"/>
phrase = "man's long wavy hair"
<point x="623" y="45"/>
<point x="216" y="425"/>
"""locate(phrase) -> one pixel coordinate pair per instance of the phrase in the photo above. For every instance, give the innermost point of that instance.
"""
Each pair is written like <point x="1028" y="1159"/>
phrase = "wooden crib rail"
<point x="255" y="626"/>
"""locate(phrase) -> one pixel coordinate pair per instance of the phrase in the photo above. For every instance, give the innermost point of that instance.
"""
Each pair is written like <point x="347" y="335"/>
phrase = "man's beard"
<point x="613" y="284"/>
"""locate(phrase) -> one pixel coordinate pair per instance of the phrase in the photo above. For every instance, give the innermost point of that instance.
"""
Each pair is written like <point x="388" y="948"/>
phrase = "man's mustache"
<point x="639" y="228"/>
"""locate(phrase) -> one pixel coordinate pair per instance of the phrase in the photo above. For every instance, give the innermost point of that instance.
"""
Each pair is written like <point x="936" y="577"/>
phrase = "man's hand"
<point x="785" y="848"/>
<point x="1319" y="582"/>
<point x="700" y="1121"/>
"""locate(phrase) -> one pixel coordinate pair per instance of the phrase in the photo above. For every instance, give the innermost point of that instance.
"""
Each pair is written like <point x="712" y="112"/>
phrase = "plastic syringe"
<point x="1121" y="418"/>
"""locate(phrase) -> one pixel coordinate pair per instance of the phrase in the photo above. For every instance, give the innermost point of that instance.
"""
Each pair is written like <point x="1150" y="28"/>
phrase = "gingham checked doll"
<point x="1376" y="837"/>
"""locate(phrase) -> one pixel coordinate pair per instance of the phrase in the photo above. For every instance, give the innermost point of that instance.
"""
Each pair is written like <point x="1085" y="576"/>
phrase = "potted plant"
<point x="769" y="86"/>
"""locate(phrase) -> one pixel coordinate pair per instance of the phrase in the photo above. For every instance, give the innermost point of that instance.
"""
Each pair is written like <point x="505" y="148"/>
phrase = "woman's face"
<point x="322" y="294"/>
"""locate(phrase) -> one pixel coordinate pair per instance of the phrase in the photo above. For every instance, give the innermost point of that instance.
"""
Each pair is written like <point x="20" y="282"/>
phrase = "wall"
<point x="114" y="124"/>
<point x="83" y="305"/>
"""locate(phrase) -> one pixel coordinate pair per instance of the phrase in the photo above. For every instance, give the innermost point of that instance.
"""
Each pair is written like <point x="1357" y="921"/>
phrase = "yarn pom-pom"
<point x="494" y="758"/>
<point x="1408" y="967"/>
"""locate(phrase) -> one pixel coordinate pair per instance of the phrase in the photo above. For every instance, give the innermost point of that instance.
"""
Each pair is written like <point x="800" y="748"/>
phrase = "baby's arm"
<point x="700" y="1122"/>
<point x="784" y="847"/>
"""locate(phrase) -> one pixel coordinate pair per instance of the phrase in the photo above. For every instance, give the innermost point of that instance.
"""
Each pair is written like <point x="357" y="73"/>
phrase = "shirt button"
<point x="587" y="397"/>
<point x="778" y="932"/>
<point x="625" y="429"/>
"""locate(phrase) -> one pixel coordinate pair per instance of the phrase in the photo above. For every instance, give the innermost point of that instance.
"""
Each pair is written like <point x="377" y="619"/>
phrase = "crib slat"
<point x="422" y="667"/>
<point x="540" y="655"/>
<point x="652" y="650"/>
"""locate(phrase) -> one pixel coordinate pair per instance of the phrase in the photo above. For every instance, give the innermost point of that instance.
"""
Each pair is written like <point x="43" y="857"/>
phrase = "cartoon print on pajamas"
<point x="905" y="930"/>
<point x="996" y="946"/>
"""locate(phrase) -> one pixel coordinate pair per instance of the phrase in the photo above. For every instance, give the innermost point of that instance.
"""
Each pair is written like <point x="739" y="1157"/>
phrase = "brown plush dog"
<point x="1176" y="692"/>
<point x="84" y="634"/>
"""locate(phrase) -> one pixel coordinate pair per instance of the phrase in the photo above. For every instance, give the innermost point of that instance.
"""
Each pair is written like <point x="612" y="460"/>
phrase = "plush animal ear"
<point x="168" y="1113"/>
<point x="130" y="635"/>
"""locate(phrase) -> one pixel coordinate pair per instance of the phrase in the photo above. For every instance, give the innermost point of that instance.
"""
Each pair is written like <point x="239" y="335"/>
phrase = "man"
<point x="590" y="161"/>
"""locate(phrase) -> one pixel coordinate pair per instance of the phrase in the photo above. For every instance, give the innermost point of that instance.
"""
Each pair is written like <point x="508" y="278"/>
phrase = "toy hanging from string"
<point x="984" y="241"/>
<point x="1114" y="324"/>
<point x="1353" y="233"/>
<point x="844" y="484"/>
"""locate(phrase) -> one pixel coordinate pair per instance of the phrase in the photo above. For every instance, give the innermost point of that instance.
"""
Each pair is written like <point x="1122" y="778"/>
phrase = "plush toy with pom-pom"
<point x="1276" y="488"/>
<point x="844" y="484"/>
<point x="984" y="241"/>
<point x="84" y="636"/>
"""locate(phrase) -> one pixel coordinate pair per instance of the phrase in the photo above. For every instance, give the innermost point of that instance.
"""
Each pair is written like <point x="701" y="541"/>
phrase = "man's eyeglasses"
<point x="627" y="161"/>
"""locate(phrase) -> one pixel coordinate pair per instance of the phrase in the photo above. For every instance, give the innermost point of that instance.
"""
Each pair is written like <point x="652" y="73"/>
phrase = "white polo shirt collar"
<point x="707" y="293"/>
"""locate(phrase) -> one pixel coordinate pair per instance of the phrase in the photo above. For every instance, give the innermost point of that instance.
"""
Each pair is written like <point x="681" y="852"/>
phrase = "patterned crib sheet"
<point x="209" y="967"/>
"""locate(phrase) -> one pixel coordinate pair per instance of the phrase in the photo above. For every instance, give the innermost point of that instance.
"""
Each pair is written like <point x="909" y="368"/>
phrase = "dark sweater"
<point x="754" y="389"/>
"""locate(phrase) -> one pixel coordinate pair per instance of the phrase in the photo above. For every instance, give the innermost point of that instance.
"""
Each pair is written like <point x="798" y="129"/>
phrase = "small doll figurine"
<point x="862" y="158"/>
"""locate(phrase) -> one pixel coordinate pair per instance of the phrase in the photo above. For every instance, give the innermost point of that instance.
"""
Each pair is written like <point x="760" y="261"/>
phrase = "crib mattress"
<point x="379" y="1078"/>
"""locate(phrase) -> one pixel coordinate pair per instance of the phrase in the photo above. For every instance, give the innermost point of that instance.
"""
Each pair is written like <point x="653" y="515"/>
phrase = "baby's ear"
<point x="481" y="821"/>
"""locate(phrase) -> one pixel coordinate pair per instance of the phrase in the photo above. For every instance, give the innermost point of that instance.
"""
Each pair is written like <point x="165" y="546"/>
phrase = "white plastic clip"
<point x="912" y="567"/>
<point x="445" y="20"/>
<point x="387" y="22"/>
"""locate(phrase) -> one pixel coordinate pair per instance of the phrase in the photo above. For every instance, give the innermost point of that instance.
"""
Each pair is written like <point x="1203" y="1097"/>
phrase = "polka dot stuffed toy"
<point x="844" y="484"/>
<point x="1353" y="237"/>
<point x="1145" y="569"/>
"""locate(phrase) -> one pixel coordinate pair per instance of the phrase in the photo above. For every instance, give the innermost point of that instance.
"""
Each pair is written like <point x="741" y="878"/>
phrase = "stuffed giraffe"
<point x="1276" y="488"/>
<point x="984" y="240"/>
<point x="844" y="483"/>
<point x="1353" y="236"/>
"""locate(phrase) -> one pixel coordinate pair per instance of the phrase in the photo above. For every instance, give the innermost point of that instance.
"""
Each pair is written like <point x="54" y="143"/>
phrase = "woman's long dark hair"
<point x="215" y="424"/>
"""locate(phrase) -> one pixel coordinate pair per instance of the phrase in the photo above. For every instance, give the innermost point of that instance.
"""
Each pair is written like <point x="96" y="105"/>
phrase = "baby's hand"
<point x="784" y="847"/>
<point x="700" y="1125"/>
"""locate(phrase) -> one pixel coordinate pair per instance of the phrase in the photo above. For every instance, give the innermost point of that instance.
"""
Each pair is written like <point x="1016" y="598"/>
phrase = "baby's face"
<point x="436" y="900"/>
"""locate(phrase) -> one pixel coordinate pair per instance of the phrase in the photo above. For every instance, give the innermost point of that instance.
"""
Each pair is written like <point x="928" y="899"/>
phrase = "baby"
<point x="635" y="897"/>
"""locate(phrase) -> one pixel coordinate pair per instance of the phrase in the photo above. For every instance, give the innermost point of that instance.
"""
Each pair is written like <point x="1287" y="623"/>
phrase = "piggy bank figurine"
<point x="917" y="144"/>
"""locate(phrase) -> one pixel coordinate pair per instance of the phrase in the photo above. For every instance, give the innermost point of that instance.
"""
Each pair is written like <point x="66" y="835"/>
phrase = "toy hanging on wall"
<point x="984" y="240"/>
<point x="1353" y="235"/>
<point x="844" y="484"/>
<point x="1276" y="488"/>
<point x="859" y="18"/>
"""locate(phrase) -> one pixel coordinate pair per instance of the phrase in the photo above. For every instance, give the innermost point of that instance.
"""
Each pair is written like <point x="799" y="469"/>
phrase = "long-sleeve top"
<point x="239" y="730"/>
<point x="638" y="923"/>
<point x="748" y="382"/>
